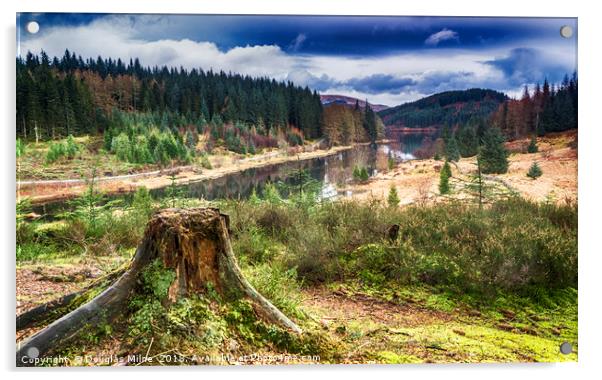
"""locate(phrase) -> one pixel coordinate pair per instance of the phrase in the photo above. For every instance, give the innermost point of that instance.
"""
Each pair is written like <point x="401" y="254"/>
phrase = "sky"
<point x="387" y="60"/>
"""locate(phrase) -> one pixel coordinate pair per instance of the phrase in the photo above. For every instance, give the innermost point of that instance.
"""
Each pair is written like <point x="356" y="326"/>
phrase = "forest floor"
<point x="418" y="180"/>
<point x="392" y="325"/>
<point x="386" y="323"/>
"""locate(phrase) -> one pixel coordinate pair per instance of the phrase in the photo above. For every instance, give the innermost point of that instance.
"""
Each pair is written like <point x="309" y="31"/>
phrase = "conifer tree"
<point x="534" y="171"/>
<point x="452" y="153"/>
<point x="393" y="198"/>
<point x="468" y="144"/>
<point x="493" y="156"/>
<point x="532" y="148"/>
<point x="444" y="174"/>
<point x="370" y="123"/>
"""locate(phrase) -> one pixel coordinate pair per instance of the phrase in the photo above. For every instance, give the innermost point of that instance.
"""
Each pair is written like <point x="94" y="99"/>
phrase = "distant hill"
<point x="349" y="101"/>
<point x="450" y="107"/>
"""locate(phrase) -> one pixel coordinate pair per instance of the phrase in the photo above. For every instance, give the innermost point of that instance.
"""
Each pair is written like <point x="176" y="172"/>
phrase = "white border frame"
<point x="590" y="138"/>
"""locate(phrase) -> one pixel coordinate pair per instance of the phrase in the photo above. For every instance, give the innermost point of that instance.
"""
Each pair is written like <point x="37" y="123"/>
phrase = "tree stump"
<point x="195" y="244"/>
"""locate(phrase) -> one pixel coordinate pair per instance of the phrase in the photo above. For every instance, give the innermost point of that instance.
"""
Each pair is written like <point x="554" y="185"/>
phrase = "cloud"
<point x="385" y="79"/>
<point x="118" y="37"/>
<point x="297" y="42"/>
<point x="305" y="78"/>
<point x="442" y="35"/>
<point x="529" y="65"/>
<point x="379" y="83"/>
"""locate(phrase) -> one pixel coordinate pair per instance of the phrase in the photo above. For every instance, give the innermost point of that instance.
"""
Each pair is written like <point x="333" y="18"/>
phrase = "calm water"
<point x="333" y="172"/>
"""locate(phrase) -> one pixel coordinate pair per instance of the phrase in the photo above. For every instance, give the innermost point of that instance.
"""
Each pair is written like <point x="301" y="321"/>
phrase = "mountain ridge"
<point x="349" y="101"/>
<point x="444" y="108"/>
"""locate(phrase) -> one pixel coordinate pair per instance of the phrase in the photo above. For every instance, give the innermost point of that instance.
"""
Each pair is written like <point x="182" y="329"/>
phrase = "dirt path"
<point x="340" y="307"/>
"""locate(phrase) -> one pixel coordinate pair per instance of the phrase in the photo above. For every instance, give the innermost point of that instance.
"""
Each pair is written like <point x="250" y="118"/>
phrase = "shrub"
<point x="121" y="146"/>
<point x="390" y="162"/>
<point x="393" y="198"/>
<point x="513" y="245"/>
<point x="532" y="147"/>
<point x="279" y="285"/>
<point x="55" y="151"/>
<point x="140" y="152"/>
<point x="71" y="147"/>
<point x="360" y="174"/>
<point x="205" y="163"/>
<point x="534" y="171"/>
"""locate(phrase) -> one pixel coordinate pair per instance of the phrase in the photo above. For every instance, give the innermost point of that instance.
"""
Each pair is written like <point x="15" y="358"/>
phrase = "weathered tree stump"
<point x="195" y="244"/>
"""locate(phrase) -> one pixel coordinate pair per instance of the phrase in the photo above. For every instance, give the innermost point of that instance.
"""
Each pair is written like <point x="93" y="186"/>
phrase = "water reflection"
<point x="333" y="172"/>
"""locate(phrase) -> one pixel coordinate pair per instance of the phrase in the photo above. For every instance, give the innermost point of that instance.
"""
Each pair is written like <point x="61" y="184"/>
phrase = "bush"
<point x="534" y="171"/>
<point x="393" y="198"/>
<point x="55" y="152"/>
<point x="121" y="146"/>
<point x="71" y="147"/>
<point x="279" y="285"/>
<point x="513" y="245"/>
<point x="205" y="163"/>
<point x="390" y="162"/>
<point x="360" y="174"/>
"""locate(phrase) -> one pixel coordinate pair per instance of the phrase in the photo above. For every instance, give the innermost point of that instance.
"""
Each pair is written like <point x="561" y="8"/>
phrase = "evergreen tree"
<point x="444" y="174"/>
<point x="532" y="148"/>
<point x="452" y="153"/>
<point x="370" y="123"/>
<point x="534" y="171"/>
<point x="393" y="197"/>
<point x="468" y="144"/>
<point x="493" y="156"/>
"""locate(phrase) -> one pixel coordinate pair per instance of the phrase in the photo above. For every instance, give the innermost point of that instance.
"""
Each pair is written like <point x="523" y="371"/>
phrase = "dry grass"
<point x="416" y="181"/>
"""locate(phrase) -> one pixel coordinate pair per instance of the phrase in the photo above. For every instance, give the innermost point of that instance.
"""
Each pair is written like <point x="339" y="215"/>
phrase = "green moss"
<point x="473" y="343"/>
<point x="156" y="279"/>
<point x="388" y="357"/>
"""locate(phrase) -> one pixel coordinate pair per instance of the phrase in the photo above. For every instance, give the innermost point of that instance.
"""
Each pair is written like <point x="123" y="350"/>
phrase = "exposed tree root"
<point x="43" y="314"/>
<point x="195" y="244"/>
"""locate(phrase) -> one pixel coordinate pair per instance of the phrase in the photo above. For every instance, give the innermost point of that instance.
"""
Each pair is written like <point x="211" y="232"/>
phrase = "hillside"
<point x="450" y="107"/>
<point x="349" y="101"/>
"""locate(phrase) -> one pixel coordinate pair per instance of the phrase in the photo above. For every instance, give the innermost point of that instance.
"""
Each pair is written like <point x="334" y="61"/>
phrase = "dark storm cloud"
<point x="379" y="83"/>
<point x="528" y="65"/>
<point x="392" y="59"/>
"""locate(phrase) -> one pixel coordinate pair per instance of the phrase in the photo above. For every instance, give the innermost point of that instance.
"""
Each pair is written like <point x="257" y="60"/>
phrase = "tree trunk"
<point x="195" y="244"/>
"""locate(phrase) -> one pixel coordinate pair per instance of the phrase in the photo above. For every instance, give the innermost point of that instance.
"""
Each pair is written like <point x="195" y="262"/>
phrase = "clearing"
<point x="418" y="180"/>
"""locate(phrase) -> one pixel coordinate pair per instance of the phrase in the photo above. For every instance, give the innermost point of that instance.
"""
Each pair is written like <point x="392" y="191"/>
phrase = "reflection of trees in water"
<point x="336" y="169"/>
<point x="241" y="185"/>
<point x="418" y="144"/>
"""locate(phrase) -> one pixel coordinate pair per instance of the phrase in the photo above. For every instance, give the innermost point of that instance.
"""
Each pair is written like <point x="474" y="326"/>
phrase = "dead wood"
<point x="195" y="244"/>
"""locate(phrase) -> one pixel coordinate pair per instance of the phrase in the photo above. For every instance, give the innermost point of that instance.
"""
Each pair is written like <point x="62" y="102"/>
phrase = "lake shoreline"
<point x="41" y="193"/>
